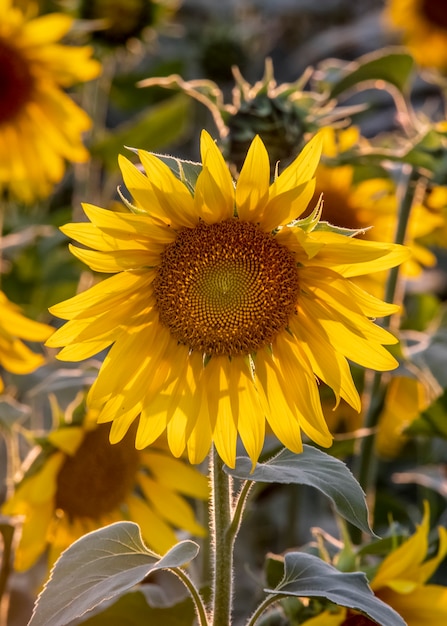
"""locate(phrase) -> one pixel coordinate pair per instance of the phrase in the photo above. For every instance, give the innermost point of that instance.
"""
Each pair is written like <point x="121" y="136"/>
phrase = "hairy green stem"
<point x="198" y="603"/>
<point x="223" y="541"/>
<point x="239" y="508"/>
<point x="269" y="600"/>
<point x="365" y="467"/>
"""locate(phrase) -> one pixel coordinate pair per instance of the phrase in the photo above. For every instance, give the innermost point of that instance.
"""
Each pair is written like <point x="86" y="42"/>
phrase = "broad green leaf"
<point x="133" y="610"/>
<point x="316" y="469"/>
<point x="391" y="65"/>
<point x="157" y="127"/>
<point x="306" y="575"/>
<point x="100" y="566"/>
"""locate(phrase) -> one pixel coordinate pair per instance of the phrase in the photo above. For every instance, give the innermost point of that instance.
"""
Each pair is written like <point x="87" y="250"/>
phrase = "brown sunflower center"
<point x="226" y="288"/>
<point x="98" y="477"/>
<point x="435" y="12"/>
<point x="16" y="82"/>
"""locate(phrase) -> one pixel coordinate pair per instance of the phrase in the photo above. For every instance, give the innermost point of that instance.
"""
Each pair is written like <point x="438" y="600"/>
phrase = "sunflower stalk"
<point x="365" y="467"/>
<point x="223" y="541"/>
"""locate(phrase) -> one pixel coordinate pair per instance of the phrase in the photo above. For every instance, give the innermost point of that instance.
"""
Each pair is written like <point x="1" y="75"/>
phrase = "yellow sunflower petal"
<point x="102" y="297"/>
<point x="249" y="406"/>
<point x="253" y="183"/>
<point x="281" y="418"/>
<point x="220" y="181"/>
<point x="172" y="195"/>
<point x="156" y="532"/>
<point x="176" y="475"/>
<point x="170" y="506"/>
<point x="216" y="380"/>
<point x="301" y="170"/>
<point x="400" y="569"/>
<point x="301" y="389"/>
<point x="424" y="606"/>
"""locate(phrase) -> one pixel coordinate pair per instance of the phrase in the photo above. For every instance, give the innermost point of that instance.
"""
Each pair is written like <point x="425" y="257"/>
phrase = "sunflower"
<point x="370" y="205"/>
<point x="79" y="483"/>
<point x="424" y="29"/>
<point x="15" y="356"/>
<point x="222" y="308"/>
<point x="40" y="125"/>
<point x="400" y="582"/>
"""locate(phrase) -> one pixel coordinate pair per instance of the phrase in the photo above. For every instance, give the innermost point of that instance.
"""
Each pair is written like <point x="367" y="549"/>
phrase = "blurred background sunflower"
<point x="41" y="127"/>
<point x="15" y="356"/>
<point x="368" y="201"/>
<point x="77" y="482"/>
<point x="423" y="27"/>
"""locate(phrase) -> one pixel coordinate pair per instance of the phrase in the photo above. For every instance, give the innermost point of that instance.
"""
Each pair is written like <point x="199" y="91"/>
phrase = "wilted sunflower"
<point x="223" y="310"/>
<point x="15" y="356"/>
<point x="400" y="582"/>
<point x="424" y="29"/>
<point x="79" y="483"/>
<point x="40" y="125"/>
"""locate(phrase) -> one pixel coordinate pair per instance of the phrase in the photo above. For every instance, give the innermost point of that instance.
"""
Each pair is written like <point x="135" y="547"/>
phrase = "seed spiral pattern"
<point x="226" y="288"/>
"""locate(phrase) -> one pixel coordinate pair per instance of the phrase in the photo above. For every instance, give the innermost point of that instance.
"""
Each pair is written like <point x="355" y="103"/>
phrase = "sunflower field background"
<point x="223" y="318"/>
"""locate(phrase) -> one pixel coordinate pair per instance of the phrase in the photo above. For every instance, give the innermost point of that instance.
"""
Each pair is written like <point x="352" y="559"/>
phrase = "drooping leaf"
<point x="316" y="469"/>
<point x="133" y="610"/>
<point x="100" y="566"/>
<point x="392" y="65"/>
<point x="306" y="575"/>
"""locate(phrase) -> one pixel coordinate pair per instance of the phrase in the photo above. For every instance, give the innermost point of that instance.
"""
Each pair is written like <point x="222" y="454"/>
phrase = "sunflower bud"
<point x="275" y="120"/>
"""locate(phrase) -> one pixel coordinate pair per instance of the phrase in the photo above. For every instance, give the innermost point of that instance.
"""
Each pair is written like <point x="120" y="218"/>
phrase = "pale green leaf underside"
<point x="316" y="469"/>
<point x="306" y="575"/>
<point x="99" y="566"/>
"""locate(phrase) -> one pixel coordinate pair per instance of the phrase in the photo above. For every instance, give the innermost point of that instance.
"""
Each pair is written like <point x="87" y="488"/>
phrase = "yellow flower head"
<point x="40" y="125"/>
<point x="371" y="204"/>
<point x="401" y="582"/>
<point x="15" y="356"/>
<point x="424" y="29"/>
<point x="84" y="483"/>
<point x="222" y="309"/>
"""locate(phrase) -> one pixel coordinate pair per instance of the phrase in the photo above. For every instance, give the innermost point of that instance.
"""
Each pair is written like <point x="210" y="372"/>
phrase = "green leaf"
<point x="316" y="469"/>
<point x="391" y="65"/>
<point x="159" y="126"/>
<point x="306" y="575"/>
<point x="339" y="230"/>
<point x="186" y="171"/>
<point x="98" y="567"/>
<point x="132" y="609"/>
